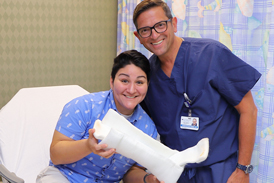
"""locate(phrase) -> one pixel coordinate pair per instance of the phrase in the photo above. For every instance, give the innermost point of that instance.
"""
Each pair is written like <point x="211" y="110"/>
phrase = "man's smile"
<point x="158" y="42"/>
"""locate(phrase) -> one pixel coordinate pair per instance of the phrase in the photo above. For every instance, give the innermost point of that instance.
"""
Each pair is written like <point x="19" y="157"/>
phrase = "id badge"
<point x="189" y="123"/>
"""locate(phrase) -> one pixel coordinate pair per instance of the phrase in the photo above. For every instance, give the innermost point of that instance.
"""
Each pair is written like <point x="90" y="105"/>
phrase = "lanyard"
<point x="188" y="104"/>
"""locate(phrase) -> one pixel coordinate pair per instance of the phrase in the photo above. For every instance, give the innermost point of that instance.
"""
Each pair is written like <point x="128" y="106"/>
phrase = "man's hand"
<point x="238" y="176"/>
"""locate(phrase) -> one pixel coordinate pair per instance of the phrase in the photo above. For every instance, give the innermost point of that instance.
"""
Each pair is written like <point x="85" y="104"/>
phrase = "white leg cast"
<point x="166" y="164"/>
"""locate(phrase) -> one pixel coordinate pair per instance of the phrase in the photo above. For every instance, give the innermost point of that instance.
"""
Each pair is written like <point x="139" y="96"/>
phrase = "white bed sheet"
<point x="27" y="123"/>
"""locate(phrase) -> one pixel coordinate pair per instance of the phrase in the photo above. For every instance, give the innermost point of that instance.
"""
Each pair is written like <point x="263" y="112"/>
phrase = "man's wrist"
<point x="246" y="168"/>
<point x="146" y="177"/>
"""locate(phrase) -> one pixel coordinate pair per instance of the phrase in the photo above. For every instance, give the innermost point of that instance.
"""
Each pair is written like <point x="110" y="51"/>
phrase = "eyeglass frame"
<point x="153" y="27"/>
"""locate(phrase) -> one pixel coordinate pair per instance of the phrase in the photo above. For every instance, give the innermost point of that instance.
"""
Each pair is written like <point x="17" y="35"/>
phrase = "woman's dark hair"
<point x="130" y="57"/>
<point x="146" y="5"/>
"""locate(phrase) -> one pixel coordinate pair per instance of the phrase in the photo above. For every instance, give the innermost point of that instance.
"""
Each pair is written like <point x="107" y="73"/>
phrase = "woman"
<point x="75" y="154"/>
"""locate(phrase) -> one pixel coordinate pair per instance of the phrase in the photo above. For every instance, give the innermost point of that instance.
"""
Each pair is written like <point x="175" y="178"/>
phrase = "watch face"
<point x="249" y="168"/>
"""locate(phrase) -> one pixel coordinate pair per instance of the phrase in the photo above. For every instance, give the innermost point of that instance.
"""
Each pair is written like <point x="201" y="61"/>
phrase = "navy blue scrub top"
<point x="216" y="81"/>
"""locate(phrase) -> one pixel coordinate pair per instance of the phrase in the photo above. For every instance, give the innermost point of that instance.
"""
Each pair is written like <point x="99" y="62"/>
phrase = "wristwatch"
<point x="246" y="168"/>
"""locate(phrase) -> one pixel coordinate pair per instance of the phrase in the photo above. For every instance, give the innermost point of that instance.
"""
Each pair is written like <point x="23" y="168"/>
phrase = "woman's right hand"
<point x="96" y="148"/>
<point x="65" y="150"/>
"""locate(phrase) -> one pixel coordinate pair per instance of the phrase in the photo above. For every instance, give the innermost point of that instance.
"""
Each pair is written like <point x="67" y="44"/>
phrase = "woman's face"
<point x="129" y="88"/>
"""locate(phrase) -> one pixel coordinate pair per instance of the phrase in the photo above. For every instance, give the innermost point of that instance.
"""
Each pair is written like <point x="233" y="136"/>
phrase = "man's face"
<point x="158" y="43"/>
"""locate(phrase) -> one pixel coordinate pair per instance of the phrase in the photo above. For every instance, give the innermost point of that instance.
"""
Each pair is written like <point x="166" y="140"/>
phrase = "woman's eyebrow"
<point x="123" y="74"/>
<point x="141" y="77"/>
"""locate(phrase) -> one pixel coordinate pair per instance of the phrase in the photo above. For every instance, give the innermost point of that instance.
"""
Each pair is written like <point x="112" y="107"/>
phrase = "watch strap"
<point x="246" y="168"/>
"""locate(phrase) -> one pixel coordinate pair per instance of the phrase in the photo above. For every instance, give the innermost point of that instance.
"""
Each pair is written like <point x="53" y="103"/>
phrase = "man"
<point x="198" y="79"/>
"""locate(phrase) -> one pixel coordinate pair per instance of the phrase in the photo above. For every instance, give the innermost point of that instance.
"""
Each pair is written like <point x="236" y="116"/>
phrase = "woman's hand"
<point x="96" y="148"/>
<point x="64" y="150"/>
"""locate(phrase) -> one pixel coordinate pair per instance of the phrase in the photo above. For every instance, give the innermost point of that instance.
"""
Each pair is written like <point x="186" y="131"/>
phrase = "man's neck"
<point x="167" y="61"/>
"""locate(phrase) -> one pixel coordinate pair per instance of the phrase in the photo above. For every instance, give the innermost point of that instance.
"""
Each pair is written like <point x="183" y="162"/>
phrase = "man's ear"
<point x="174" y="24"/>
<point x="137" y="35"/>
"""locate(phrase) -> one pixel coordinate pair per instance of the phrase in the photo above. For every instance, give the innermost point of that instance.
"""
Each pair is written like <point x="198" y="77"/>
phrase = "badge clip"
<point x="188" y="101"/>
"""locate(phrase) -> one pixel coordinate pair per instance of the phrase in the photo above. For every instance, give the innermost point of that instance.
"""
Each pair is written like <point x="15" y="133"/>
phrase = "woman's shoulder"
<point x="91" y="97"/>
<point x="88" y="102"/>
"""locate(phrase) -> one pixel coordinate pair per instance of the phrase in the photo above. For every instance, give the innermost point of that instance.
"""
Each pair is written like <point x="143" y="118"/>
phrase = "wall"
<point x="44" y="43"/>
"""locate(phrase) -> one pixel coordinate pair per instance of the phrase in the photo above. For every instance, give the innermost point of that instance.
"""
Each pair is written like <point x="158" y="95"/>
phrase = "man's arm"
<point x="247" y="133"/>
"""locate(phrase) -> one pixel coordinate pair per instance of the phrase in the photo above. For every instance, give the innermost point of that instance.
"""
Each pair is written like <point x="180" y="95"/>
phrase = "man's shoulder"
<point x="198" y="40"/>
<point x="202" y="42"/>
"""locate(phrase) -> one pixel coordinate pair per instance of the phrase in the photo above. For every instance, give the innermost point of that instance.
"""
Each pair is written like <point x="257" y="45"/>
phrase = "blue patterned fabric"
<point x="78" y="116"/>
<point x="246" y="27"/>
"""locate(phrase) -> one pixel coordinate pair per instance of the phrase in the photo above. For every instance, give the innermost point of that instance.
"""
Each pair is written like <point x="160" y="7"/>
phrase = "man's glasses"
<point x="159" y="27"/>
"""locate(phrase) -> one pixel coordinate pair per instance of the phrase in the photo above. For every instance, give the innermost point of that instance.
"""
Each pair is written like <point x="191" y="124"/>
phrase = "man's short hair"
<point x="146" y="5"/>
